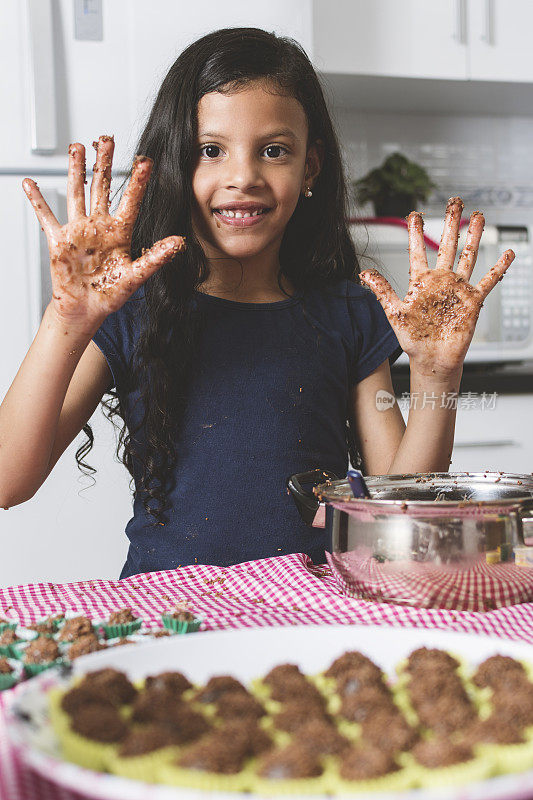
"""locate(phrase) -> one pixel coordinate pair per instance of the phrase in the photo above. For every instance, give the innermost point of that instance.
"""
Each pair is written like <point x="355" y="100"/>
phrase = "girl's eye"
<point x="210" y="150"/>
<point x="275" y="150"/>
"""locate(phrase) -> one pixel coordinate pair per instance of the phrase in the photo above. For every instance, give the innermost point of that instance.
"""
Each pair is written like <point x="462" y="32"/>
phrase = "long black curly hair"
<point x="316" y="249"/>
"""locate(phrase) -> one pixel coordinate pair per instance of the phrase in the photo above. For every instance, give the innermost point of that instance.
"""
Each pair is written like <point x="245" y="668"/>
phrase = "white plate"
<point x="246" y="654"/>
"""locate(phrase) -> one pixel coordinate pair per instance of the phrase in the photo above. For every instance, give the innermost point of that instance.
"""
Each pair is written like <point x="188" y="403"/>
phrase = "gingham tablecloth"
<point x="288" y="590"/>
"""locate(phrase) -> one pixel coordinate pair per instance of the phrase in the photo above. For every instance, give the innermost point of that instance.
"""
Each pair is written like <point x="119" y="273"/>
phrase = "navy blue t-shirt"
<point x="269" y="398"/>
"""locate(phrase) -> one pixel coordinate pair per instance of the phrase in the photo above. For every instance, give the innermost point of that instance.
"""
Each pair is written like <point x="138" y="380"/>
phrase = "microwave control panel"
<point x="516" y="287"/>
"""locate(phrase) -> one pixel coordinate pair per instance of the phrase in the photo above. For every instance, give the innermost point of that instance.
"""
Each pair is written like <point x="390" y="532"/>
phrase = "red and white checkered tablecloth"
<point x="288" y="590"/>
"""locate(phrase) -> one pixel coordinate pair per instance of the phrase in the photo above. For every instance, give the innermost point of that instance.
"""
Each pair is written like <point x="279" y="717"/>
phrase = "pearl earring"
<point x="308" y="192"/>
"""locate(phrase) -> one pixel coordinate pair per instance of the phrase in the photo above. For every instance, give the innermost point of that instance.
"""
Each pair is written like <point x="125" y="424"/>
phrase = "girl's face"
<point x="252" y="165"/>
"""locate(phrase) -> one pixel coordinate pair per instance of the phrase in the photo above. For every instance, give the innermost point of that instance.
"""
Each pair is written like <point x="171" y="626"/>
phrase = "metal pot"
<point x="438" y="540"/>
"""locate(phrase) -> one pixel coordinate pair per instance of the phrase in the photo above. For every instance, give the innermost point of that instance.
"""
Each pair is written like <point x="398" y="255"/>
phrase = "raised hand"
<point x="92" y="272"/>
<point x="436" y="320"/>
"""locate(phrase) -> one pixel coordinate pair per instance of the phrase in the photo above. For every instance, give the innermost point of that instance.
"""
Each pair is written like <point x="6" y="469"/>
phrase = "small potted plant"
<point x="395" y="187"/>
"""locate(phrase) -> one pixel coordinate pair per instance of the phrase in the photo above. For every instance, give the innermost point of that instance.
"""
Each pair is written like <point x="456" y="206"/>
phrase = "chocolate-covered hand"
<point x="92" y="272"/>
<point x="435" y="322"/>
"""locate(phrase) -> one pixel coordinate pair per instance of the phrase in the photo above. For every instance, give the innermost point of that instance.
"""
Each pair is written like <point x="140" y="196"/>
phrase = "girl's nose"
<point x="244" y="173"/>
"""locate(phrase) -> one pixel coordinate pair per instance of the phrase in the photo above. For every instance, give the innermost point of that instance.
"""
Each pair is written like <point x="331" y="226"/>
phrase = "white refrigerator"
<point x="72" y="70"/>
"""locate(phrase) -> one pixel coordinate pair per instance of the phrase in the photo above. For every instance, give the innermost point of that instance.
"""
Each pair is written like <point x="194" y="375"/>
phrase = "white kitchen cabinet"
<point x="499" y="40"/>
<point x="411" y="38"/>
<point x="495" y="438"/>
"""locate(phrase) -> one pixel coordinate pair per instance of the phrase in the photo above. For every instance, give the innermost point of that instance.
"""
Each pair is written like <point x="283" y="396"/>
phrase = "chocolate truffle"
<point x="159" y="634"/>
<point x="295" y="690"/>
<point x="234" y="705"/>
<point x="495" y="669"/>
<point x="85" y="695"/>
<point x="5" y="667"/>
<point x="174" y="682"/>
<point x="283" y="672"/>
<point x="42" y="650"/>
<point x="181" y="614"/>
<point x="294" y="715"/>
<point x="365" y="762"/>
<point x="47" y="625"/>
<point x="440" y="752"/>
<point x="320" y="737"/>
<point x="155" y="706"/>
<point x="446" y="714"/>
<point x="8" y="637"/>
<point x="389" y="731"/>
<point x="517" y="704"/>
<point x="88" y="643"/>
<point x="145" y="740"/>
<point x="113" y="683"/>
<point x="352" y="681"/>
<point x="217" y="686"/>
<point x="352" y="661"/>
<point x="357" y="707"/>
<point x="430" y="658"/>
<point x="493" y="730"/>
<point x="99" y="723"/>
<point x="121" y="617"/>
<point x="289" y="763"/>
<point x="212" y="754"/>
<point x="74" y="628"/>
<point x="246" y="731"/>
<point x="428" y="686"/>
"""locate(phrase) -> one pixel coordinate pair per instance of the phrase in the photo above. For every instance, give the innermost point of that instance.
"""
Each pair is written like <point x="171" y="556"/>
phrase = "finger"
<point x="468" y="258"/>
<point x="383" y="291"/>
<point x="49" y="223"/>
<point x="154" y="258"/>
<point x="450" y="234"/>
<point x="418" y="262"/>
<point x="130" y="202"/>
<point x="489" y="281"/>
<point x="76" y="181"/>
<point x="101" y="182"/>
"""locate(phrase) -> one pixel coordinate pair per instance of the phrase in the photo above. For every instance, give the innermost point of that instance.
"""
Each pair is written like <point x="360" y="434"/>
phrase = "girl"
<point x="233" y="356"/>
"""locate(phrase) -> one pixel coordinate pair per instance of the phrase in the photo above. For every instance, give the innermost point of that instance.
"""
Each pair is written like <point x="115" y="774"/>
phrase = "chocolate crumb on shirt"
<point x="366" y="762"/>
<point x="99" y="723"/>
<point x="289" y="763"/>
<point x="352" y="661"/>
<point x="5" y="667"/>
<point x="74" y="628"/>
<point x="441" y="752"/>
<point x="496" y="669"/>
<point x="88" y="643"/>
<point x="174" y="682"/>
<point x="121" y="617"/>
<point x="42" y="650"/>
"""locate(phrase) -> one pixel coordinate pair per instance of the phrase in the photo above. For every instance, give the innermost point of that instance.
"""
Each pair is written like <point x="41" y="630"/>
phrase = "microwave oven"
<point x="504" y="331"/>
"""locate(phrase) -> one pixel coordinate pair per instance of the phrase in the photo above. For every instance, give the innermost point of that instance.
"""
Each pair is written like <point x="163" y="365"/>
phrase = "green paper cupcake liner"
<point x="8" y="681"/>
<point x="142" y="768"/>
<point x="4" y="626"/>
<point x="173" y="775"/>
<point x="35" y="669"/>
<point x="179" y="626"/>
<point x="120" y="631"/>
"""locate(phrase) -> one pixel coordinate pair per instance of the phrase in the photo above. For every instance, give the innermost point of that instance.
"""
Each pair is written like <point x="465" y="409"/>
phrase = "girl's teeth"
<point x="226" y="212"/>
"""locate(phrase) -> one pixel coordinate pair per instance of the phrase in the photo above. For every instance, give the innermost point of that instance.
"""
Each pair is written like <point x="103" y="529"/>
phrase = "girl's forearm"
<point x="427" y="443"/>
<point x="30" y="411"/>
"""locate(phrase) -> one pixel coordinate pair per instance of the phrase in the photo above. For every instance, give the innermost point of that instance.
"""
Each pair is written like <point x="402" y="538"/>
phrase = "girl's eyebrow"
<point x="287" y="132"/>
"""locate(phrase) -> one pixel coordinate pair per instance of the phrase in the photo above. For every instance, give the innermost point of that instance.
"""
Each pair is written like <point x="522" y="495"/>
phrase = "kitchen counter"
<point x="288" y="590"/>
<point x="489" y="378"/>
